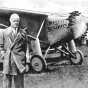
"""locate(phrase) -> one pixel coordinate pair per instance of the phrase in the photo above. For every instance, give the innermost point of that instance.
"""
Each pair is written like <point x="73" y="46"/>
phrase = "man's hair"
<point x="14" y="16"/>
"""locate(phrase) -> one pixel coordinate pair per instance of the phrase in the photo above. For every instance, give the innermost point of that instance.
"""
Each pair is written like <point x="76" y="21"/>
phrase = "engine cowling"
<point x="57" y="29"/>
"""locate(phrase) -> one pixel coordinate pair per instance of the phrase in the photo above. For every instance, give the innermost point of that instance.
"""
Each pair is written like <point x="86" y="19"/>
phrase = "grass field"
<point x="61" y="77"/>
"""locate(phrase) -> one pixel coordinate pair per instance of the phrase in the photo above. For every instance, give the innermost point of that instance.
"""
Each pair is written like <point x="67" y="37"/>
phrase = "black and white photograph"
<point x="43" y="43"/>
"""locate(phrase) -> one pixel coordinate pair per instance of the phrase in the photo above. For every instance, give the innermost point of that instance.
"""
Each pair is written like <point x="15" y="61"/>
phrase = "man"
<point x="13" y="46"/>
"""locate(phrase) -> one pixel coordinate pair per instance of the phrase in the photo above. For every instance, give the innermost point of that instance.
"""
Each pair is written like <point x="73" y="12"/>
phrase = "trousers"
<point x="16" y="80"/>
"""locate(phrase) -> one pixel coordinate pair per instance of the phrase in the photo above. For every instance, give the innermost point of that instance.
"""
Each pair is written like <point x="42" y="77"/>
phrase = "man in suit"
<point x="13" y="46"/>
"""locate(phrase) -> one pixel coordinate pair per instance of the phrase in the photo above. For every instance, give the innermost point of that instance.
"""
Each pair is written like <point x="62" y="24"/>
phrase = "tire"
<point x="37" y="64"/>
<point x="78" y="59"/>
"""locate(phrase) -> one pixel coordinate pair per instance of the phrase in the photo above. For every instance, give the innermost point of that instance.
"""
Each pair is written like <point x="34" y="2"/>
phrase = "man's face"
<point x="15" y="22"/>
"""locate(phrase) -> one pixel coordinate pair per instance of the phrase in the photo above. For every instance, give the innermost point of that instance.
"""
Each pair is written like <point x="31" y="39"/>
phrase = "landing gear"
<point x="78" y="58"/>
<point x="37" y="64"/>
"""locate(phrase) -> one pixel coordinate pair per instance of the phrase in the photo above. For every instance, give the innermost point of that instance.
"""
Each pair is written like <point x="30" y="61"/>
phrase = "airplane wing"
<point x="30" y="19"/>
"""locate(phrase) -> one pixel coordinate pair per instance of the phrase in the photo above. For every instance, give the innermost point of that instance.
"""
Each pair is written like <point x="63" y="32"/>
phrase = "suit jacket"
<point x="18" y="51"/>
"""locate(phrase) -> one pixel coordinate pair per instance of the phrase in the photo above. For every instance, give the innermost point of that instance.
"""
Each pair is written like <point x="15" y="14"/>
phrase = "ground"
<point x="66" y="76"/>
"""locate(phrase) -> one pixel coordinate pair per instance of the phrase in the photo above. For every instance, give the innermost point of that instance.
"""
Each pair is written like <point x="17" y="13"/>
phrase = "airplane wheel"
<point x="78" y="59"/>
<point x="37" y="64"/>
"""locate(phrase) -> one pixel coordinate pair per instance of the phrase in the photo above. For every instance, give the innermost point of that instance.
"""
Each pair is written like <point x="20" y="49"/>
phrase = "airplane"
<point x="49" y="31"/>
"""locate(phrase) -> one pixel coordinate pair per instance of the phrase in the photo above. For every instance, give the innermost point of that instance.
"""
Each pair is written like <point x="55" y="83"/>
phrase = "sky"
<point x="52" y="6"/>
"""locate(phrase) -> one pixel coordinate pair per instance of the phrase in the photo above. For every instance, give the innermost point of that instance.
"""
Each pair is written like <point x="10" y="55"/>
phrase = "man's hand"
<point x="27" y="68"/>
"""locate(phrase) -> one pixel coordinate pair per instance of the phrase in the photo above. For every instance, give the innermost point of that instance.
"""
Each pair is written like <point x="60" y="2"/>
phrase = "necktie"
<point x="14" y="33"/>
